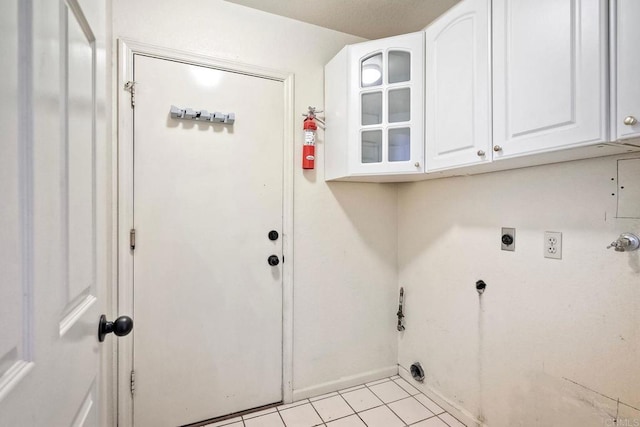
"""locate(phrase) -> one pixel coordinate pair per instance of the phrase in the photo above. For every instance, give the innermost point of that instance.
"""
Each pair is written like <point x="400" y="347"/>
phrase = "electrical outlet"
<point x="553" y="244"/>
<point x="508" y="239"/>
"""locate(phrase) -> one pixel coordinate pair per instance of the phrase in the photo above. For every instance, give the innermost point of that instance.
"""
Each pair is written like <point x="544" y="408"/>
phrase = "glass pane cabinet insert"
<point x="385" y="107"/>
<point x="379" y="84"/>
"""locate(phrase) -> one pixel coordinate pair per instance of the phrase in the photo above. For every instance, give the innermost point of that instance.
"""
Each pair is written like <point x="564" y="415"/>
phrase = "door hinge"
<point x="132" y="239"/>
<point x="130" y="86"/>
<point x="133" y="381"/>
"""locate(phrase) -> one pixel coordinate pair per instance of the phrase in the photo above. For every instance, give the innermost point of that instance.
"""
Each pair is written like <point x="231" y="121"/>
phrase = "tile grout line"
<point x="410" y="396"/>
<point x="385" y="404"/>
<point x="393" y="401"/>
<point x="304" y="402"/>
<point x="411" y="393"/>
<point x="343" y="417"/>
<point x="451" y="417"/>
<point x="444" y="421"/>
<point x="406" y="424"/>
<point x="349" y="415"/>
<point x="323" y="422"/>
<point x="354" y="411"/>
<point x="433" y="415"/>
<point x="421" y="393"/>
<point x="280" y="415"/>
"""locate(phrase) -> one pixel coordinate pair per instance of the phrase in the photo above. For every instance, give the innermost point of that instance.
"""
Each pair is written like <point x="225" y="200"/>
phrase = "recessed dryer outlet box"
<point x="508" y="239"/>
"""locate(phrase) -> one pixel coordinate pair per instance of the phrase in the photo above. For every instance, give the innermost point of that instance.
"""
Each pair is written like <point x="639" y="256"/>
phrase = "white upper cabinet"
<point x="625" y="70"/>
<point x="507" y="84"/>
<point x="458" y="89"/>
<point x="550" y="88"/>
<point x="374" y="95"/>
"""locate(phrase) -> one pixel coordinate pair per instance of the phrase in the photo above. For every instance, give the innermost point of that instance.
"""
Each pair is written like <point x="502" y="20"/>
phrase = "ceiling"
<point x="371" y="19"/>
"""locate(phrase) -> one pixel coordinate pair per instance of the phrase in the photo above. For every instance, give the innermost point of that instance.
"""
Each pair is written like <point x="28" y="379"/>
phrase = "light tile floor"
<point x="390" y="402"/>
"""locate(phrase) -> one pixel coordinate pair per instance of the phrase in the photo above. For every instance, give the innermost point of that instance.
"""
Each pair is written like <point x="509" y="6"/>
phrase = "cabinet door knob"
<point x="630" y="120"/>
<point x="416" y="164"/>
<point x="481" y="153"/>
<point x="497" y="148"/>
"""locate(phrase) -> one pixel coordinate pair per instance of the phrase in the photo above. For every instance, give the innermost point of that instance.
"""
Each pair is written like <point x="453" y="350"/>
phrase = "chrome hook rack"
<point x="202" y="115"/>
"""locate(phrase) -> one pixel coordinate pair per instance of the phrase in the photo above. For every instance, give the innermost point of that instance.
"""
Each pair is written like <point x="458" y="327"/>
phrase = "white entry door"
<point x="207" y="304"/>
<point x="53" y="214"/>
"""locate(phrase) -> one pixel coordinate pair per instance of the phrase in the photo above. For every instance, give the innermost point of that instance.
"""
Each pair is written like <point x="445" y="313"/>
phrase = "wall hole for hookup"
<point x="417" y="372"/>
<point x="480" y="286"/>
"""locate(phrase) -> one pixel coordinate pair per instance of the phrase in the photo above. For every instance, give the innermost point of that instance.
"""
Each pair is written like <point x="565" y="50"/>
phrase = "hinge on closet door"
<point x="132" y="239"/>
<point x="130" y="86"/>
<point x="133" y="381"/>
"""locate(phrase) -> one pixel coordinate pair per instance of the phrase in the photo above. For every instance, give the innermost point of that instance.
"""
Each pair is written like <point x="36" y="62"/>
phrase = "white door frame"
<point x="124" y="211"/>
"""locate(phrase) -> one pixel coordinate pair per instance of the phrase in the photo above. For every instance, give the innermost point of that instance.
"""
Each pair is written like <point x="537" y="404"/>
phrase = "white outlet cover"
<point x="552" y="244"/>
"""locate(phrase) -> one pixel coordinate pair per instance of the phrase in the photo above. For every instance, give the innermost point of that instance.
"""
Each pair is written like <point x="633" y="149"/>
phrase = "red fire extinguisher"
<point x="309" y="148"/>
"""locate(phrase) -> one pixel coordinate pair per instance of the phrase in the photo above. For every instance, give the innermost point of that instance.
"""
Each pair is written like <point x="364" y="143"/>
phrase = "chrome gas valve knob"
<point x="627" y="242"/>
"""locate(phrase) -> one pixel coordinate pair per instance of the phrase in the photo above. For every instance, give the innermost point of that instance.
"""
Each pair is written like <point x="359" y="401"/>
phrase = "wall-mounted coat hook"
<point x="202" y="115"/>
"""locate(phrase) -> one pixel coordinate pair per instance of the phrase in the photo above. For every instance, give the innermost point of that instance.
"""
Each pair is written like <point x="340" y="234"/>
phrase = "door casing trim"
<point x="123" y="209"/>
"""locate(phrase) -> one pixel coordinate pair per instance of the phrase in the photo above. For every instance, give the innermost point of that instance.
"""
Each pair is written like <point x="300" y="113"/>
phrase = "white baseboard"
<point x="460" y="413"/>
<point x="345" y="382"/>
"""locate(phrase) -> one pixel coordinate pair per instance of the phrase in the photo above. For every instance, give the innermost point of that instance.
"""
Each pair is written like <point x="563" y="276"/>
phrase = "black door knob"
<point x="273" y="235"/>
<point x="121" y="326"/>
<point x="273" y="260"/>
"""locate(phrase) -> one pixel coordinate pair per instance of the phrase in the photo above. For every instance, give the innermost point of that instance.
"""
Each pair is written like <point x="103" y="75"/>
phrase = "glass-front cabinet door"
<point x="386" y="106"/>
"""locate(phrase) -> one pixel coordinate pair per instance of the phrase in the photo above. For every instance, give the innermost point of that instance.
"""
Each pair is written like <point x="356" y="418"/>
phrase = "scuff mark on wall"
<point x="616" y="399"/>
<point x="547" y="400"/>
<point x="480" y="414"/>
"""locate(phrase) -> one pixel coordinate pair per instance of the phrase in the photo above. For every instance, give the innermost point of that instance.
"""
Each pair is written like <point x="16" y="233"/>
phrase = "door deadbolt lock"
<point x="273" y="260"/>
<point x="273" y="235"/>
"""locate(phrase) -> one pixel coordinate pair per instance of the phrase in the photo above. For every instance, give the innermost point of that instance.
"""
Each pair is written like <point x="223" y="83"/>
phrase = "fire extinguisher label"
<point x="310" y="138"/>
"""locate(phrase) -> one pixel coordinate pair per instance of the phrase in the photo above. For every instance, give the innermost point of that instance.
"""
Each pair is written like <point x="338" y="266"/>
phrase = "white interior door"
<point x="207" y="305"/>
<point x="52" y="237"/>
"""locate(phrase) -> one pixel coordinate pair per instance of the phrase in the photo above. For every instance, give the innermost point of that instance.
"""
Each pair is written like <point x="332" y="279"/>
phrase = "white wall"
<point x="549" y="339"/>
<point x="345" y="271"/>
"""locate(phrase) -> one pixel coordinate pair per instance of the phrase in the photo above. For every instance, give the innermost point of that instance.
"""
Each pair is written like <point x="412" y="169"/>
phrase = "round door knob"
<point x="507" y="239"/>
<point x="630" y="120"/>
<point x="497" y="148"/>
<point x="273" y="235"/>
<point x="273" y="260"/>
<point x="481" y="153"/>
<point x="416" y="164"/>
<point x="121" y="326"/>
